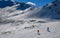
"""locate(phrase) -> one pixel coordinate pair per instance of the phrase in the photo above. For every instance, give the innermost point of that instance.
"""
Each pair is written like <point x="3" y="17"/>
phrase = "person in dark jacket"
<point x="48" y="29"/>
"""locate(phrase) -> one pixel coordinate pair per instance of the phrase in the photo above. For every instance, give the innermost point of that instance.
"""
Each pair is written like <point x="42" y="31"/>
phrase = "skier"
<point x="33" y="26"/>
<point x="38" y="32"/>
<point x="48" y="29"/>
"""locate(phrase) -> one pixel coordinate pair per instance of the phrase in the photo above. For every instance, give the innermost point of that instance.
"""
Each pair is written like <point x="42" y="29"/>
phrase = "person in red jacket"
<point x="38" y="32"/>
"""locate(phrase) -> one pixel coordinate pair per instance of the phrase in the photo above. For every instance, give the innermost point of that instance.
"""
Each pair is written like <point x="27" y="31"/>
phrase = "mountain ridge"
<point x="51" y="11"/>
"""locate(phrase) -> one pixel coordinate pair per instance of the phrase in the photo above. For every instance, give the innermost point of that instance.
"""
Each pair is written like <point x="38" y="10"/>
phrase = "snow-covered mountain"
<point x="10" y="9"/>
<point x="24" y="20"/>
<point x="17" y="10"/>
<point x="50" y="11"/>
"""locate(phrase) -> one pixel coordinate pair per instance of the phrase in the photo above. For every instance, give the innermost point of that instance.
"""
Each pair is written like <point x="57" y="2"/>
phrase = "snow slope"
<point x="26" y="23"/>
<point x="14" y="9"/>
<point x="25" y="29"/>
<point x="51" y="11"/>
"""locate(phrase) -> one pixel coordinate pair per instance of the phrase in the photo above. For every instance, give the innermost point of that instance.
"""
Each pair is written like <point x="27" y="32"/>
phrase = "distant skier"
<point x="48" y="29"/>
<point x="38" y="32"/>
<point x="33" y="26"/>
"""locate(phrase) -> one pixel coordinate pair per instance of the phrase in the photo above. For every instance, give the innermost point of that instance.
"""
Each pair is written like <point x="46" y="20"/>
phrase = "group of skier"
<point x="38" y="31"/>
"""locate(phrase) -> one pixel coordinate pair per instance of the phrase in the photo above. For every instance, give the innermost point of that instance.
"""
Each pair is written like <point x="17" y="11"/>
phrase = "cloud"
<point x="31" y="3"/>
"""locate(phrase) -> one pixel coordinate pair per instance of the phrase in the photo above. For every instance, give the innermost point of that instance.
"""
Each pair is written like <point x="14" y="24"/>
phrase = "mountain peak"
<point x="24" y="6"/>
<point x="21" y="6"/>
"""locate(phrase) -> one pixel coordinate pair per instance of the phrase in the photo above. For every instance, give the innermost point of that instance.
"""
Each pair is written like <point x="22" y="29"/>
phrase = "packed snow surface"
<point x="28" y="29"/>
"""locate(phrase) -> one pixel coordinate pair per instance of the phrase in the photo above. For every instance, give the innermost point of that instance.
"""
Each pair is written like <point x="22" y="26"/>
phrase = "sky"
<point x="37" y="2"/>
